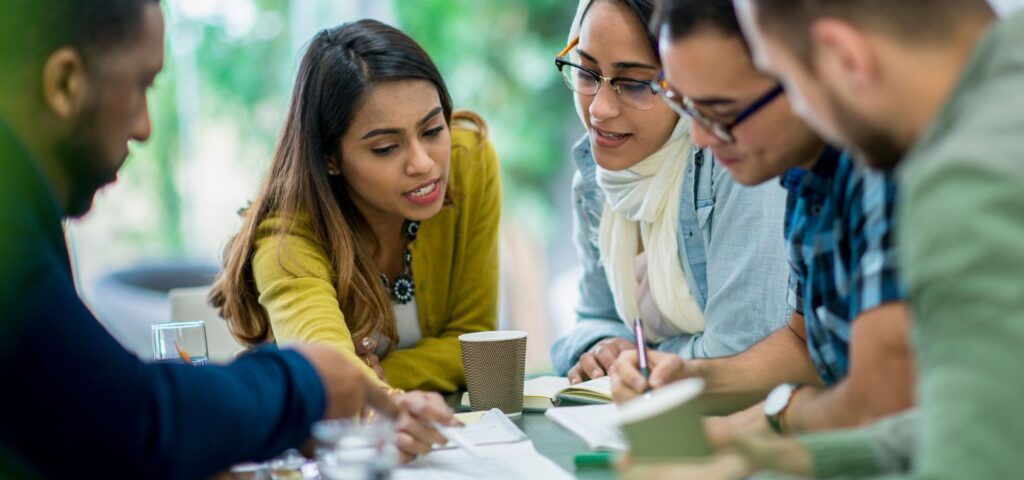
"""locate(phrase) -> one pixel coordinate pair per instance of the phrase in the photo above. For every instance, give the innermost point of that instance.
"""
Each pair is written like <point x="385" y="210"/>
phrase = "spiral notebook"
<point x="542" y="393"/>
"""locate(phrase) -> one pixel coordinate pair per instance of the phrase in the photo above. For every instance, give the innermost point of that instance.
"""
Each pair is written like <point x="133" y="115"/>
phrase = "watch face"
<point x="778" y="398"/>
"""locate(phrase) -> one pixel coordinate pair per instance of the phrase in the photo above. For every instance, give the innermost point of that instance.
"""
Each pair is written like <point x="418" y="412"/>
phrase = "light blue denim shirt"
<point x="731" y="248"/>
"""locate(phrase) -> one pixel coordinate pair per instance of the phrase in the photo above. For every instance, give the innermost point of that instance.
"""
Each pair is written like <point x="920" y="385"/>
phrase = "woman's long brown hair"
<point x="338" y="70"/>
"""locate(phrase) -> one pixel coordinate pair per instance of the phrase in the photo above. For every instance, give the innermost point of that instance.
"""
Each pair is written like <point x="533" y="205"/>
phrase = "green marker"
<point x="594" y="460"/>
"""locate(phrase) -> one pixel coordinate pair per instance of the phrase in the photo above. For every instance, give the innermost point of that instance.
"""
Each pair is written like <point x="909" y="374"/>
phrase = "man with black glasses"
<point x="843" y="358"/>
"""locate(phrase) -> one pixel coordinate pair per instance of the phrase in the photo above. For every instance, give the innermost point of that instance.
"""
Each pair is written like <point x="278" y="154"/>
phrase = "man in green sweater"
<point x="934" y="89"/>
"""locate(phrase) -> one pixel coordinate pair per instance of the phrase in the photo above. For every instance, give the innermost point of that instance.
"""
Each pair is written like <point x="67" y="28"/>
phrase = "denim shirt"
<point x="731" y="250"/>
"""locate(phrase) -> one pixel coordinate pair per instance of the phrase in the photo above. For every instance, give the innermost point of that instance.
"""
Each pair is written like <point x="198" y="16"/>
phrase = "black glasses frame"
<point x="723" y="131"/>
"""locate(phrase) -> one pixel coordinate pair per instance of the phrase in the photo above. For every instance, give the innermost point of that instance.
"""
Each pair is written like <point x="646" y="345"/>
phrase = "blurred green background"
<point x="219" y="105"/>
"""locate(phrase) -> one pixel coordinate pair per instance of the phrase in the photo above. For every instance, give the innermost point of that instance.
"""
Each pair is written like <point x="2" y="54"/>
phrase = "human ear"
<point x="843" y="54"/>
<point x="64" y="82"/>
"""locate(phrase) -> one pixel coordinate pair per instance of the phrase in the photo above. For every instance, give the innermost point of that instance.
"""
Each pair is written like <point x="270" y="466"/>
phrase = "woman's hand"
<point x="598" y="361"/>
<point x="418" y="413"/>
<point x="366" y="349"/>
<point x="628" y="382"/>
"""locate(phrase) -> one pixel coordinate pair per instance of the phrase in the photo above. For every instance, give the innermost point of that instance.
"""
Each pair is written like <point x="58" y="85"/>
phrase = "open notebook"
<point x="542" y="393"/>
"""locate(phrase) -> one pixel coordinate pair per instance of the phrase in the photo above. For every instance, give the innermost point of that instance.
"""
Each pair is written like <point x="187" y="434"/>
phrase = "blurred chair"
<point x="128" y="301"/>
<point x="189" y="304"/>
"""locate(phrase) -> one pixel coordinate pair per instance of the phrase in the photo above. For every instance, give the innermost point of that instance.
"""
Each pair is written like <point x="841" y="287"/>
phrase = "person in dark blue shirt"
<point x="75" y="403"/>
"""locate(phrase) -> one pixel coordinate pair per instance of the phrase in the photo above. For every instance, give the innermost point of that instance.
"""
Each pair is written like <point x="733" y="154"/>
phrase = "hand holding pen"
<point x="641" y="353"/>
<point x="662" y="368"/>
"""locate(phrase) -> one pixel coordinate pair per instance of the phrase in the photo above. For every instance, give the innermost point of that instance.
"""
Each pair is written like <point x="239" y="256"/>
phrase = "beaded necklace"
<point x="402" y="289"/>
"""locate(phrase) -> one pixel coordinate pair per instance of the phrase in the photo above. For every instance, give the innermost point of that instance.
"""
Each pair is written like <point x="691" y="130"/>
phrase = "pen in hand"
<point x="641" y="353"/>
<point x="452" y="434"/>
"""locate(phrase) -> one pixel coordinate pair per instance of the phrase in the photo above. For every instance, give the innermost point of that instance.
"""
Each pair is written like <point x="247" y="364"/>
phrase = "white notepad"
<point x="507" y="461"/>
<point x="491" y="428"/>
<point x="507" y="453"/>
<point x="597" y="425"/>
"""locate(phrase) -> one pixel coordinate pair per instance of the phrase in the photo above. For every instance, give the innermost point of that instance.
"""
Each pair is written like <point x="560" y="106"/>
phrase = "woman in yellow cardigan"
<point x="376" y="228"/>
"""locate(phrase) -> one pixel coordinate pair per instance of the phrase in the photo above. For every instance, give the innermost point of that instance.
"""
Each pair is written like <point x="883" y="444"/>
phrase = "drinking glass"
<point x="355" y="450"/>
<point x="180" y="342"/>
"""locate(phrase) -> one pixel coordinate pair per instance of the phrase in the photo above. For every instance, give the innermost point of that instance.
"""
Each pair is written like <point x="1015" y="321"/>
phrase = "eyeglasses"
<point x="722" y="131"/>
<point x="638" y="94"/>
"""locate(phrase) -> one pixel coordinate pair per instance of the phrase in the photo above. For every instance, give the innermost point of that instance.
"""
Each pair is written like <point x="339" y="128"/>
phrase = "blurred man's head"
<point x="709" y="72"/>
<point x="74" y="85"/>
<point x="869" y="74"/>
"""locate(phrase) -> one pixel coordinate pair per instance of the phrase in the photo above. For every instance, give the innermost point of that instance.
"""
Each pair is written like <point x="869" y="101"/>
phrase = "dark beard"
<point x="871" y="145"/>
<point x="81" y="157"/>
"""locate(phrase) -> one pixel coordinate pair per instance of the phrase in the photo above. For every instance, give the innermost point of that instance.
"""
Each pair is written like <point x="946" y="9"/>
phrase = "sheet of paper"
<point x="601" y="383"/>
<point x="491" y="428"/>
<point x="469" y="418"/>
<point x="511" y="461"/>
<point x="506" y="454"/>
<point x="597" y="425"/>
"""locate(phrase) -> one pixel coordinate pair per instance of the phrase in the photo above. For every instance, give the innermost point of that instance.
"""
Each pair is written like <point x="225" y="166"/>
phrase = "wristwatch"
<point x="777" y="403"/>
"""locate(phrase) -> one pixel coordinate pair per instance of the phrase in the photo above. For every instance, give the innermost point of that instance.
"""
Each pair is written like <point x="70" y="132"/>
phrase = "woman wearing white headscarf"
<point x="662" y="231"/>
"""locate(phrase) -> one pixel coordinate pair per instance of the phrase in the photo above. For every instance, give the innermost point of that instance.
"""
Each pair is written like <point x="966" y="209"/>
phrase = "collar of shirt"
<point x="817" y="180"/>
<point x="20" y="167"/>
<point x="25" y="190"/>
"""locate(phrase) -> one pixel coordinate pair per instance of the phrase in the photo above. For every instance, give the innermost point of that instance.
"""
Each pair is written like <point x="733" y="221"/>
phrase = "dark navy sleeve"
<point x="76" y="403"/>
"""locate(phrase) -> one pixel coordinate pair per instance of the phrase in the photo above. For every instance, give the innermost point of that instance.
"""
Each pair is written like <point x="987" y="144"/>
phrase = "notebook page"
<point x="602" y="385"/>
<point x="491" y="428"/>
<point x="547" y="386"/>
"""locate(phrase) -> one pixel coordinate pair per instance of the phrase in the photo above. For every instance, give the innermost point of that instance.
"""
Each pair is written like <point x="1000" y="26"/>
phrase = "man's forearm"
<point x="814" y="409"/>
<point x="880" y="379"/>
<point x="737" y="382"/>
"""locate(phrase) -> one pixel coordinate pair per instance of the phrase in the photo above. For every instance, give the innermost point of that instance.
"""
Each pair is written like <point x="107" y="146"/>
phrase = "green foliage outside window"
<point x="496" y="55"/>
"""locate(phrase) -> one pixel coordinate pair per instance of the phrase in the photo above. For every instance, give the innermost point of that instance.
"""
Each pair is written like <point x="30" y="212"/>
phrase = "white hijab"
<point x="642" y="206"/>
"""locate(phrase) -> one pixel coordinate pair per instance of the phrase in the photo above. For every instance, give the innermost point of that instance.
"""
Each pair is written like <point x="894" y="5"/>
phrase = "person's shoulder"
<point x="978" y="129"/>
<point x="585" y="179"/>
<point x="275" y="228"/>
<point x="474" y="161"/>
<point x="858" y="186"/>
<point x="469" y="135"/>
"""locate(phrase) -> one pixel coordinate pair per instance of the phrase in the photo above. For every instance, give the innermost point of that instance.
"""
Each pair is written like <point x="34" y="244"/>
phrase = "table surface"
<point x="559" y="444"/>
<point x="552" y="441"/>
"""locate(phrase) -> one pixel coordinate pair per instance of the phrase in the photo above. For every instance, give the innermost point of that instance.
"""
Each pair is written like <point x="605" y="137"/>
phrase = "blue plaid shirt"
<point x="840" y="236"/>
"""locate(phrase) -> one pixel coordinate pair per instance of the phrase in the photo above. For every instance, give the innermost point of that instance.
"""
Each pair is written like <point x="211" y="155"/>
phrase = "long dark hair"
<point x="340" y="67"/>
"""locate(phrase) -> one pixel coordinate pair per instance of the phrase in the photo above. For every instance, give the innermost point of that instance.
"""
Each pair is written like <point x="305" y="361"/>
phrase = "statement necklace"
<point x="402" y="289"/>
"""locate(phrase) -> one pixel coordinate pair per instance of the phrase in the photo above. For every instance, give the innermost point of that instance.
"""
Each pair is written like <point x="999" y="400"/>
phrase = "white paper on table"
<point x="511" y="461"/>
<point x="493" y="428"/>
<point x="597" y="425"/>
<point x="546" y="386"/>
<point x="506" y="453"/>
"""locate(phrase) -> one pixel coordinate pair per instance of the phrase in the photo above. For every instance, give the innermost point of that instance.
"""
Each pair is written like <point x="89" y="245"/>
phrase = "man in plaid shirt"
<point x="844" y="357"/>
<point x="842" y="252"/>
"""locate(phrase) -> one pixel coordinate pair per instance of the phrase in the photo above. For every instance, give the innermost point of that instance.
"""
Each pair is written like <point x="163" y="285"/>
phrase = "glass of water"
<point x="355" y="450"/>
<point x="180" y="342"/>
